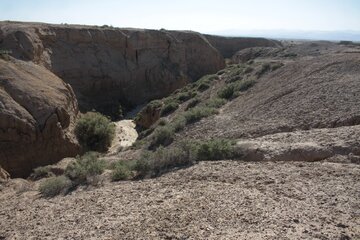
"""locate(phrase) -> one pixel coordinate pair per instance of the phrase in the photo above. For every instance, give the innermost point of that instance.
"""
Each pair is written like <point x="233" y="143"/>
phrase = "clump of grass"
<point x="244" y="85"/>
<point x="152" y="164"/>
<point x="215" y="102"/>
<point x="215" y="150"/>
<point x="184" y="96"/>
<point x="162" y="136"/>
<point x="54" y="186"/>
<point x="193" y="103"/>
<point x="226" y="92"/>
<point x="178" y="123"/>
<point x="265" y="67"/>
<point x="162" y="122"/>
<point x="197" y="113"/>
<point x="169" y="108"/>
<point x="203" y="86"/>
<point x="94" y="132"/>
<point x="41" y="172"/>
<point x="121" y="171"/>
<point x="248" y="70"/>
<point x="276" y="66"/>
<point x="85" y="168"/>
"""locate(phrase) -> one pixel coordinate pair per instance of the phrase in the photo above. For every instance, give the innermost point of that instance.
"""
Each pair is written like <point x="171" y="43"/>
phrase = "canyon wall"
<point x="107" y="66"/>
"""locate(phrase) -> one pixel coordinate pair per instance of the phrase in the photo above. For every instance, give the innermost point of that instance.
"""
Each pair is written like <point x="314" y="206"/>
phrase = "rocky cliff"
<point x="109" y="66"/>
<point x="37" y="115"/>
<point x="228" y="46"/>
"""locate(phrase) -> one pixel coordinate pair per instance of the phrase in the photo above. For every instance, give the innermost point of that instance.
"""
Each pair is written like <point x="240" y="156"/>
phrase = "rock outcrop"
<point x="37" y="115"/>
<point x="228" y="46"/>
<point x="108" y="67"/>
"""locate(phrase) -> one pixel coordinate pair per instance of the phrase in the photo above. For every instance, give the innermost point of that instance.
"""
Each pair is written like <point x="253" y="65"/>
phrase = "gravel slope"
<point x="211" y="200"/>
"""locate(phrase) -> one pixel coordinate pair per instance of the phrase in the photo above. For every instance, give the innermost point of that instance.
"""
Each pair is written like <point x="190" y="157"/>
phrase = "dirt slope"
<point x="211" y="200"/>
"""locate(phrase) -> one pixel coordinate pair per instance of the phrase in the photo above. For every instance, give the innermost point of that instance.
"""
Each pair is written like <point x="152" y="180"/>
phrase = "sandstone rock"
<point x="37" y="115"/>
<point x="111" y="66"/>
<point x="228" y="46"/>
<point x="4" y="175"/>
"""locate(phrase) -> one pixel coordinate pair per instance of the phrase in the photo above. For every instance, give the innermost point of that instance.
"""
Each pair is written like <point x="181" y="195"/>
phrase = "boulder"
<point x="37" y="116"/>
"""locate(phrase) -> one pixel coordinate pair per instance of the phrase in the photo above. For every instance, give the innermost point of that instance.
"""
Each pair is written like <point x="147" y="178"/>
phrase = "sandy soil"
<point x="125" y="136"/>
<point x="211" y="200"/>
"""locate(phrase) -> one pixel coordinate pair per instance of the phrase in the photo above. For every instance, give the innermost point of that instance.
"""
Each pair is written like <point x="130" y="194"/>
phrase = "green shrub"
<point x="84" y="168"/>
<point x="169" y="108"/>
<point x="215" y="102"/>
<point x="203" y="86"/>
<point x="221" y="72"/>
<point x="122" y="171"/>
<point x="244" y="85"/>
<point x="264" y="68"/>
<point x="197" y="113"/>
<point x="94" y="132"/>
<point x="248" y="70"/>
<point x="215" y="150"/>
<point x="184" y="96"/>
<point x="226" y="92"/>
<point x="54" y="186"/>
<point x="276" y="66"/>
<point x="41" y="172"/>
<point x="178" y="123"/>
<point x="193" y="103"/>
<point x="153" y="164"/>
<point x="161" y="136"/>
<point x="162" y="122"/>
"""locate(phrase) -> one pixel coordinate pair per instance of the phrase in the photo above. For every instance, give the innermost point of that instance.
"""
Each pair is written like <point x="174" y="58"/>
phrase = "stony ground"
<point x="211" y="200"/>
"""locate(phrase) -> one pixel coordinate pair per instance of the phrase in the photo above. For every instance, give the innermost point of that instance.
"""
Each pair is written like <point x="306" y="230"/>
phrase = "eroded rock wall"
<point x="37" y="115"/>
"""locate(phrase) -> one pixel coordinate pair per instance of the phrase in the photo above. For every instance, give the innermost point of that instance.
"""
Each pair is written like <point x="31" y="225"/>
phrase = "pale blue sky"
<point x="198" y="15"/>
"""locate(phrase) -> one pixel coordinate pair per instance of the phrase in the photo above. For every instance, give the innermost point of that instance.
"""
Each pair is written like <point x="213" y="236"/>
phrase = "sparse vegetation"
<point x="94" y="132"/>
<point x="193" y="103"/>
<point x="215" y="102"/>
<point x="226" y="92"/>
<point x="265" y="67"/>
<point x="85" y="168"/>
<point x="121" y="171"/>
<point x="216" y="150"/>
<point x="153" y="164"/>
<point x="54" y="186"/>
<point x="41" y="172"/>
<point x="197" y="113"/>
<point x="162" y="136"/>
<point x="169" y="108"/>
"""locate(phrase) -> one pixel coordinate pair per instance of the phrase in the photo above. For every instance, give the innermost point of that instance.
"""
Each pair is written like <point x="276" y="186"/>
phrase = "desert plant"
<point x="203" y="86"/>
<point x="244" y="85"/>
<point x="94" y="131"/>
<point x="197" y="113"/>
<point x="54" y="186"/>
<point x="215" y="102"/>
<point x="215" y="150"/>
<point x="121" y="171"/>
<point x="248" y="69"/>
<point x="169" y="108"/>
<point x="178" y="123"/>
<point x="85" y="168"/>
<point x="184" y="96"/>
<point x="153" y="164"/>
<point x="226" y="92"/>
<point x="265" y="67"/>
<point x="193" y="103"/>
<point x="162" y="136"/>
<point x="41" y="172"/>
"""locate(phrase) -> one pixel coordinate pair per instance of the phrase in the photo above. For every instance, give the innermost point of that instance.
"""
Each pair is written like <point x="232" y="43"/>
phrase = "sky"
<point x="206" y="16"/>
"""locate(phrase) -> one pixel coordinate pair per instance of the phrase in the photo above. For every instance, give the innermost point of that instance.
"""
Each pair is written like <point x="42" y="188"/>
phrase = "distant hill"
<point x="285" y="34"/>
